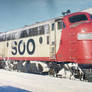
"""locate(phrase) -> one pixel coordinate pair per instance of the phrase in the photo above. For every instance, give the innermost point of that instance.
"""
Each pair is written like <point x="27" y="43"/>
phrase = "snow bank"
<point x="39" y="83"/>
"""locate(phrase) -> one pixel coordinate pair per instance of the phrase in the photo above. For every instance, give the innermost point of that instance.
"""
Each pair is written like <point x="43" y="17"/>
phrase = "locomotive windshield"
<point x="78" y="18"/>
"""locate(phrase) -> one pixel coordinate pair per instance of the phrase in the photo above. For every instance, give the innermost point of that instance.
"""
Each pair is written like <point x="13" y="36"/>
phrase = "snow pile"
<point x="65" y="74"/>
<point x="69" y="71"/>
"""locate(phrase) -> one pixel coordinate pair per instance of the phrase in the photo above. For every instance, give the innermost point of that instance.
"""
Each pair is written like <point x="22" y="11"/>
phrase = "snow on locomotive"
<point x="53" y="45"/>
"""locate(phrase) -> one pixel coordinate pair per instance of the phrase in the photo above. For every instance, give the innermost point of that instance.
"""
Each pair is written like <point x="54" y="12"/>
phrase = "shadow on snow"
<point x="12" y="89"/>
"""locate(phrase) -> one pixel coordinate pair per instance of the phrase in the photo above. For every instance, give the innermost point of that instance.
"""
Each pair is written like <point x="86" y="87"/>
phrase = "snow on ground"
<point x="23" y="82"/>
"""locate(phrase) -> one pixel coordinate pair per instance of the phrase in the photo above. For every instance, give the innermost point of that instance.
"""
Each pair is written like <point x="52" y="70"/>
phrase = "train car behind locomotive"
<point x="56" y="43"/>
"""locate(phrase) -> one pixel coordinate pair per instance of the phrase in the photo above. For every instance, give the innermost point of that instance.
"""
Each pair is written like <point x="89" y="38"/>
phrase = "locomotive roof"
<point x="39" y="23"/>
<point x="32" y="25"/>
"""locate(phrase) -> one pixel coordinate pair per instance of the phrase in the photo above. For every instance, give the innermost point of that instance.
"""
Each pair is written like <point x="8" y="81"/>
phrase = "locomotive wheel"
<point x="40" y="68"/>
<point x="51" y="72"/>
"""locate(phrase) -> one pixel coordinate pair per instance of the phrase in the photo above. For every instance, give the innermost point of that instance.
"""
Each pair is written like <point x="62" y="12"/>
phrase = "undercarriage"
<point x="55" y="69"/>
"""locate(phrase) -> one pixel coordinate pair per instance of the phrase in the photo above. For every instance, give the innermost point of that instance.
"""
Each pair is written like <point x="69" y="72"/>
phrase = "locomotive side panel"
<point x="36" y="47"/>
<point x="29" y="47"/>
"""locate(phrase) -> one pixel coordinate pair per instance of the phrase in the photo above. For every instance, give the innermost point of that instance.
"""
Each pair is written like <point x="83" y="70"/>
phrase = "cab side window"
<point x="64" y="25"/>
<point x="59" y="25"/>
<point x="53" y="26"/>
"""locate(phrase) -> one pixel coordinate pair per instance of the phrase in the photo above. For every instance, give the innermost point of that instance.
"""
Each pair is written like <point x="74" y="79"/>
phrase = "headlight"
<point x="84" y="36"/>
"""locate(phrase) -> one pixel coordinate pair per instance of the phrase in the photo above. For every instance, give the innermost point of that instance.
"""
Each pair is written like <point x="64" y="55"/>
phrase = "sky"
<point x="17" y="13"/>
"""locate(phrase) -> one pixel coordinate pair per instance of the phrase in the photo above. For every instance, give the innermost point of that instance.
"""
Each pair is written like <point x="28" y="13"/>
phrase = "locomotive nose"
<point x="84" y="38"/>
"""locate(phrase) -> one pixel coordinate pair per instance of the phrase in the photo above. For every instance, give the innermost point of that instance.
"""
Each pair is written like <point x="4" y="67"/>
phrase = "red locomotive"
<point x="58" y="41"/>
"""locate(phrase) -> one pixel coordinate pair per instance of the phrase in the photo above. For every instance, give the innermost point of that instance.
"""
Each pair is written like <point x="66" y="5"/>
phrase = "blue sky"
<point x="17" y="13"/>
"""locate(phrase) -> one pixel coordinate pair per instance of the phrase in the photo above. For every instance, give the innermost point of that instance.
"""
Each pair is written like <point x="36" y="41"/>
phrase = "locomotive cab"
<point x="76" y="40"/>
<point x="77" y="36"/>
